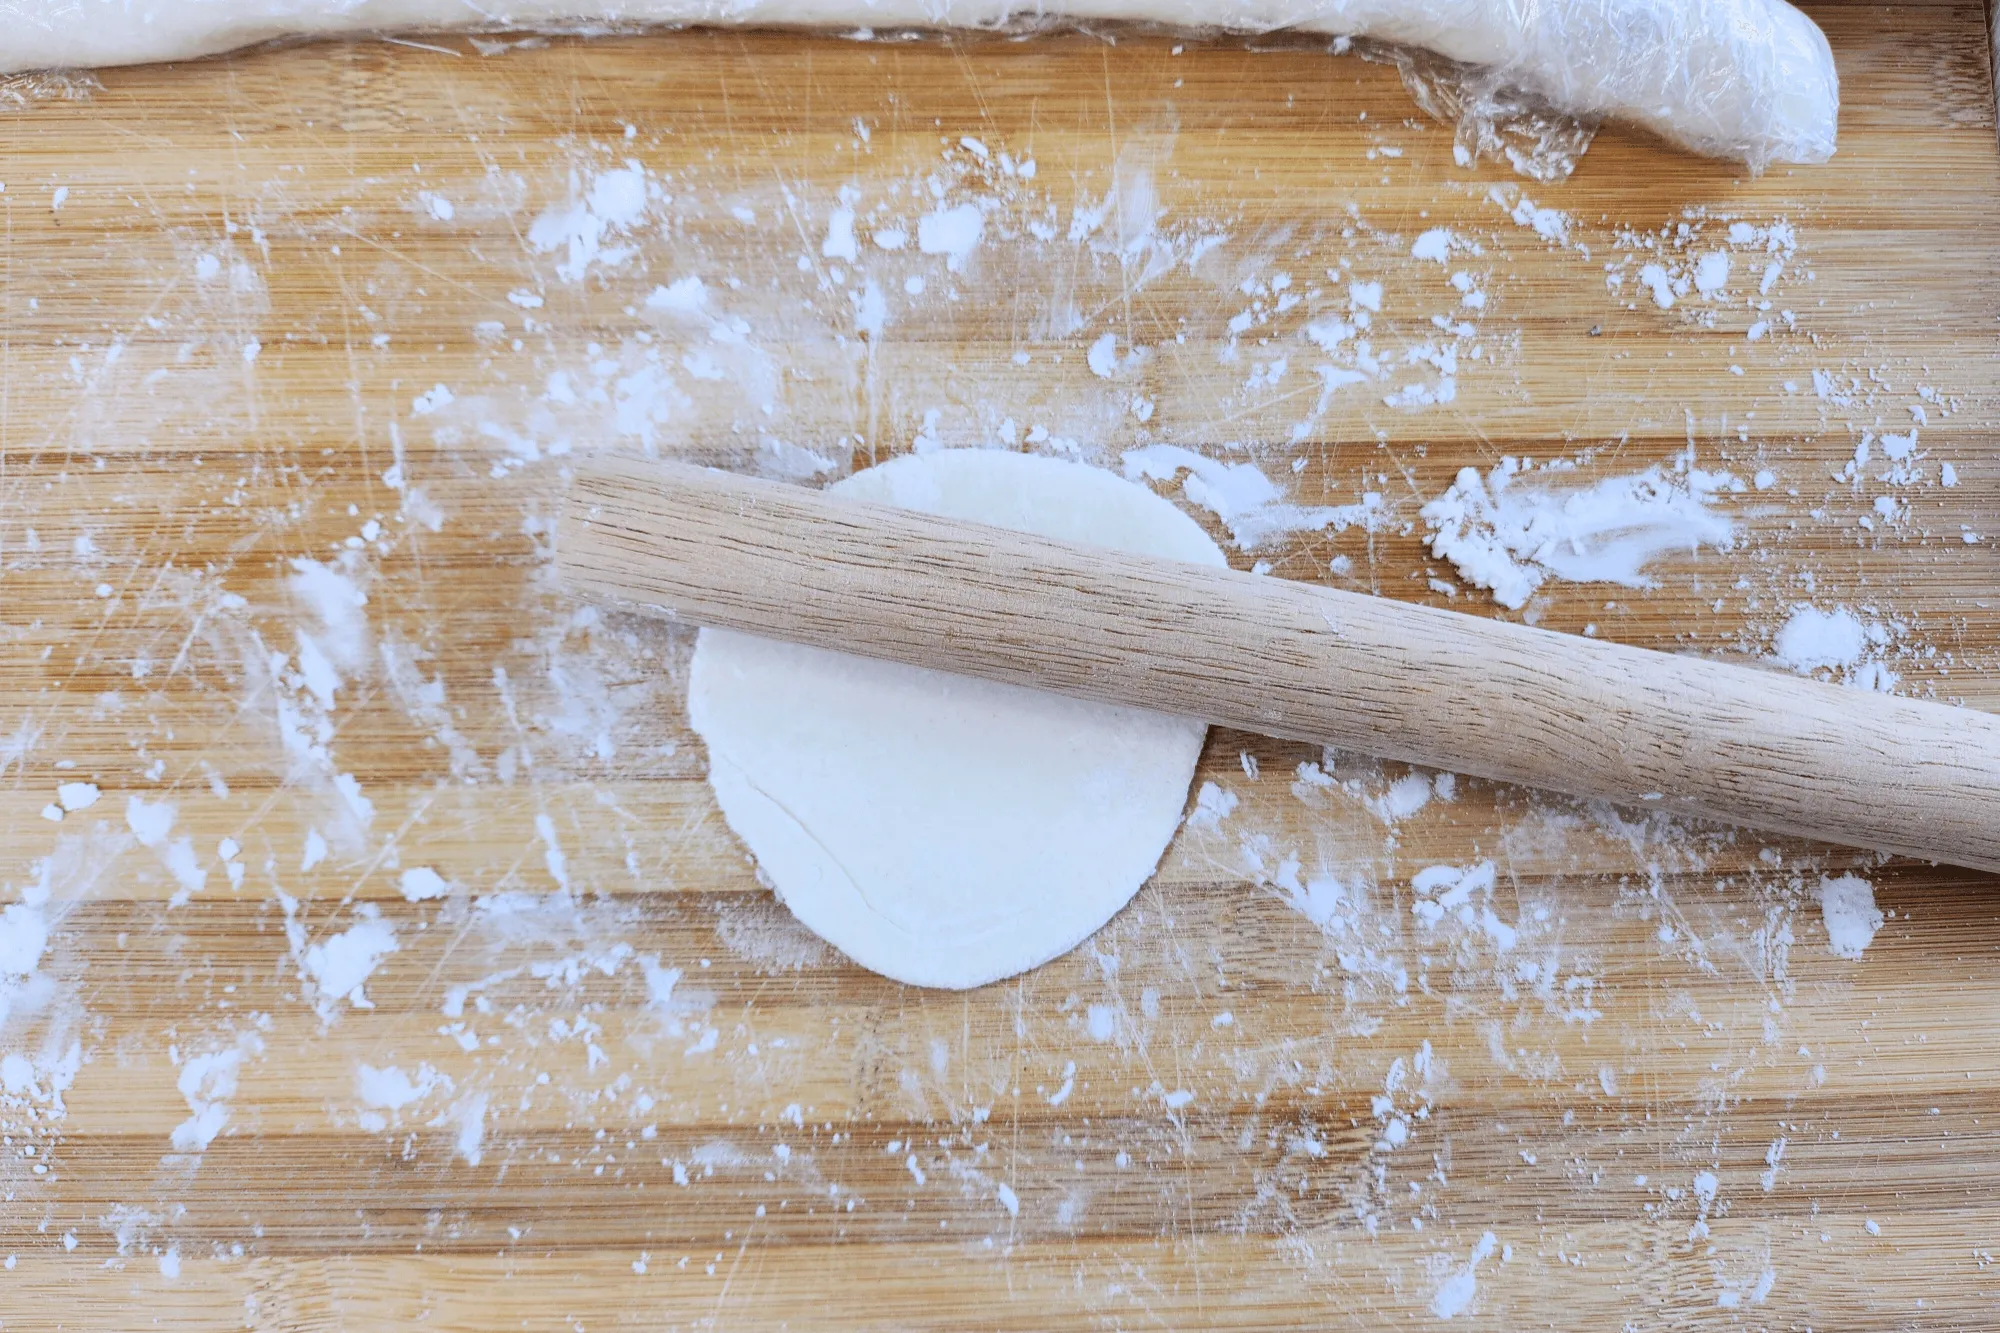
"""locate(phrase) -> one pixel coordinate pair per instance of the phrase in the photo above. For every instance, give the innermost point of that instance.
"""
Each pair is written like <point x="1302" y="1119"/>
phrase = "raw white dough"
<point x="938" y="829"/>
<point x="1739" y="78"/>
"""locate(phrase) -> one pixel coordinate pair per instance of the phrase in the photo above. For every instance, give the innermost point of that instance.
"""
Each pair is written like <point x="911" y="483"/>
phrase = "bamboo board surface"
<point x="229" y="293"/>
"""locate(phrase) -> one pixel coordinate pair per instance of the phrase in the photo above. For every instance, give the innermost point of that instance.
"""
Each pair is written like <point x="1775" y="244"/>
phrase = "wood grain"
<point x="1669" y="1009"/>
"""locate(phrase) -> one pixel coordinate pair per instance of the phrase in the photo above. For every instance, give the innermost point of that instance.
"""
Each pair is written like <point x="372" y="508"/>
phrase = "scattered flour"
<point x="1103" y="356"/>
<point x="391" y="1088"/>
<point x="1509" y="536"/>
<point x="1657" y="281"/>
<point x="1435" y="244"/>
<point x="660" y="983"/>
<point x="24" y="938"/>
<point x="951" y="232"/>
<point x="1838" y="642"/>
<point x="469" y="1116"/>
<point x="1249" y="503"/>
<point x="1454" y="1295"/>
<point x="420" y="883"/>
<point x="1847" y="904"/>
<point x="335" y="600"/>
<point x="768" y="937"/>
<point x="609" y="208"/>
<point x="150" y="823"/>
<point x="1551" y="224"/>
<point x="206" y="1082"/>
<point x="1812" y="638"/>
<point x="41" y="1015"/>
<point x="341" y="964"/>
<point x="1711" y="272"/>
<point x="1465" y="894"/>
<point x="1212" y="805"/>
<point x="840" y="242"/>
<point x="707" y="356"/>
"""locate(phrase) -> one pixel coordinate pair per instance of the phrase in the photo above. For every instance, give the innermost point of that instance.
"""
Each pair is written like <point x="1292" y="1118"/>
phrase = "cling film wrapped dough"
<point x="1747" y="79"/>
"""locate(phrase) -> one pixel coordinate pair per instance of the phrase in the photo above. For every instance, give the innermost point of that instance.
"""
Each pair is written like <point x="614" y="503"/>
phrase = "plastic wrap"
<point x="1492" y="117"/>
<point x="1750" y="79"/>
<point x="45" y="85"/>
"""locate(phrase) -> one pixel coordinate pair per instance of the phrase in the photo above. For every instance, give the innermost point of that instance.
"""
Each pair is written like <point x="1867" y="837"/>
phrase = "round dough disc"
<point x="938" y="829"/>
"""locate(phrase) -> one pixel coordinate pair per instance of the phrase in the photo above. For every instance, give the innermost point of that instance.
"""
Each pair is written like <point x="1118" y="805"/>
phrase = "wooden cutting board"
<point x="321" y="321"/>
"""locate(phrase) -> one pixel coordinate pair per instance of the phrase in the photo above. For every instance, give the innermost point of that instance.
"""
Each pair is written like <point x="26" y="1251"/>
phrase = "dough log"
<point x="1750" y="79"/>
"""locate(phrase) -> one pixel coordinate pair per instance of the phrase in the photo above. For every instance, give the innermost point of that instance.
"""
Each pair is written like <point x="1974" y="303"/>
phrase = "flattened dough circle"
<point x="937" y="829"/>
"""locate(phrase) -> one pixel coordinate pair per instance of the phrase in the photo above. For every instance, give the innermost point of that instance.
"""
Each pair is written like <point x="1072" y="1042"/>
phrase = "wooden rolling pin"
<point x="1437" y="688"/>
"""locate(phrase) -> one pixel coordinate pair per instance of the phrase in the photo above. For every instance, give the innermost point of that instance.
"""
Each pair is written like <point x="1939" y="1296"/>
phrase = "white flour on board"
<point x="1513" y="529"/>
<point x="1812" y="638"/>
<point x="151" y="824"/>
<point x="43" y="1023"/>
<point x="1455" y="1294"/>
<point x="606" y="210"/>
<point x="1837" y="641"/>
<point x="802" y="327"/>
<point x="1847" y="905"/>
<point x="1251" y="505"/>
<point x="340" y="964"/>
<point x="952" y="232"/>
<point x="385" y="1093"/>
<point x="207" y="1081"/>
<point x="1335" y="336"/>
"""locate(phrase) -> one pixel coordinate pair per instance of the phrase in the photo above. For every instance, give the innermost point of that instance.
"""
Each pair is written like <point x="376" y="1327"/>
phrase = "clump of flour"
<point x="1512" y="530"/>
<point x="1847" y="905"/>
